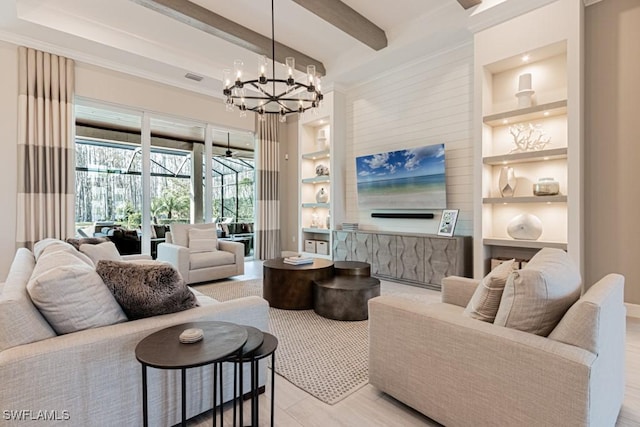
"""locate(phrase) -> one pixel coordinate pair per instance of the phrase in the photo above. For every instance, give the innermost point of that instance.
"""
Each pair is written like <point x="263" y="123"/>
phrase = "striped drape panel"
<point x="268" y="196"/>
<point x="45" y="202"/>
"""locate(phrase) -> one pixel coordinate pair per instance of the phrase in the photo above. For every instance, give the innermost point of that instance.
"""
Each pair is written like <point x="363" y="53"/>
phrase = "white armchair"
<point x="223" y="259"/>
<point x="462" y="371"/>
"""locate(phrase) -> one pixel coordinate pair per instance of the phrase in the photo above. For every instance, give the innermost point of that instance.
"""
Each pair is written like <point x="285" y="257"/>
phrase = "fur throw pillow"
<point x="147" y="289"/>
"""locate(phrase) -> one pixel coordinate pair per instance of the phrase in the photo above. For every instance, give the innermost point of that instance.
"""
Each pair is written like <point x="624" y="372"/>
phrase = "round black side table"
<point x="255" y="340"/>
<point x="163" y="350"/>
<point x="268" y="348"/>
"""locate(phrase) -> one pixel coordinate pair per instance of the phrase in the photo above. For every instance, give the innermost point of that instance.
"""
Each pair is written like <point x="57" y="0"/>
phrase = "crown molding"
<point x="590" y="2"/>
<point x="483" y="18"/>
<point x="85" y="58"/>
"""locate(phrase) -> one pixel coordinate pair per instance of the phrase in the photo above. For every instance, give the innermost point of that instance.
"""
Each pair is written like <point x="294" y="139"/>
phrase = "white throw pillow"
<point x="72" y="296"/>
<point x="536" y="297"/>
<point x="203" y="240"/>
<point x="51" y="258"/>
<point x="49" y="244"/>
<point x="486" y="299"/>
<point x="180" y="232"/>
<point x="105" y="250"/>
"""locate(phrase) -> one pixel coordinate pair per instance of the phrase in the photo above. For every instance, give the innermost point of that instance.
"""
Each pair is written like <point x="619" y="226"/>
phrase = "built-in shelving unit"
<point x="316" y="230"/>
<point x="549" y="58"/>
<point x="321" y="142"/>
<point x="530" y="156"/>
<point x="536" y="244"/>
<point x="316" y="180"/>
<point x="316" y="205"/>
<point x="550" y="109"/>
<point x="526" y="199"/>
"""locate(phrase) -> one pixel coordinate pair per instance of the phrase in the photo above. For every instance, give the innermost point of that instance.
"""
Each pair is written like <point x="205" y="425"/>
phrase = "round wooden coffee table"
<point x="290" y="287"/>
<point x="345" y="297"/>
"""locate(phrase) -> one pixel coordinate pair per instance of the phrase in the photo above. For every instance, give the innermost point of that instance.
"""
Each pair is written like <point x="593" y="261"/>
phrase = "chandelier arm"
<point x="284" y="107"/>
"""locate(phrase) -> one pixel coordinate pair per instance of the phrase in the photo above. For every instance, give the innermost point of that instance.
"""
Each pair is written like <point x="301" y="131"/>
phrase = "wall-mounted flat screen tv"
<point x="405" y="179"/>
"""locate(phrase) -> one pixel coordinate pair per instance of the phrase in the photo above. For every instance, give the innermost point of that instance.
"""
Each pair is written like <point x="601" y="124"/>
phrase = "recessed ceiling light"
<point x="525" y="58"/>
<point x="505" y="121"/>
<point x="546" y="113"/>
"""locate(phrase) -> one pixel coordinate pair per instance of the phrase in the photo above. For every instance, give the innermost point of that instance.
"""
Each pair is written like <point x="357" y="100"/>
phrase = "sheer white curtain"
<point x="45" y="202"/>
<point x="268" y="243"/>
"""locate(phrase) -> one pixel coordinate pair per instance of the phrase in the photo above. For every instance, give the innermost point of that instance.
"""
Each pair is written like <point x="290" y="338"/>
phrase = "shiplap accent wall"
<point x="426" y="102"/>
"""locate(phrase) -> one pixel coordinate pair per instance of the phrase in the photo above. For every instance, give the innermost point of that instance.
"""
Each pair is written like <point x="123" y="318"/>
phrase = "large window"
<point x="109" y="174"/>
<point x="233" y="188"/>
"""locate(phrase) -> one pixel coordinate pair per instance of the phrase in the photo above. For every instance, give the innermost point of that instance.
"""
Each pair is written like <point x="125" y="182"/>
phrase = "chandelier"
<point x="273" y="95"/>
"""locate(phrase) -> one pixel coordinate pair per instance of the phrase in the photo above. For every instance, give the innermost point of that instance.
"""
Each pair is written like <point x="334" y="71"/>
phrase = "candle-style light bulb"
<point x="226" y="77"/>
<point x="311" y="74"/>
<point x="290" y="63"/>
<point x="237" y="68"/>
<point x="262" y="66"/>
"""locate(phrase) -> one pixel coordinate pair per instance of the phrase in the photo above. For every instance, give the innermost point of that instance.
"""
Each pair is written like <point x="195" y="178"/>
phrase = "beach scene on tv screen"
<point x="413" y="178"/>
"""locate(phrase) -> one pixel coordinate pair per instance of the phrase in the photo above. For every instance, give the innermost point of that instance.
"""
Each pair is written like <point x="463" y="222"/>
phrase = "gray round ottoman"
<point x="344" y="297"/>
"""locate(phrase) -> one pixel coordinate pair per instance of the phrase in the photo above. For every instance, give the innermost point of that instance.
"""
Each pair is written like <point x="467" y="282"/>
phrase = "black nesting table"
<point x="163" y="350"/>
<point x="267" y="348"/>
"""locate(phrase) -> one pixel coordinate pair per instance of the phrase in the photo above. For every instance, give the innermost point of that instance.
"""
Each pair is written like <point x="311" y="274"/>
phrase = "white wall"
<point x="9" y="147"/>
<point x="612" y="143"/>
<point x="426" y="102"/>
<point x="118" y="88"/>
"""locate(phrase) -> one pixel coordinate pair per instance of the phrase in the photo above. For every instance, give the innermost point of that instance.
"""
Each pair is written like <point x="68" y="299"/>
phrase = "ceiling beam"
<point x="348" y="20"/>
<point x="467" y="4"/>
<point x="219" y="26"/>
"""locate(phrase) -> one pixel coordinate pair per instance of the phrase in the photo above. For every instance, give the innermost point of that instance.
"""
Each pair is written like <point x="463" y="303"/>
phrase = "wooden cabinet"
<point x="417" y="259"/>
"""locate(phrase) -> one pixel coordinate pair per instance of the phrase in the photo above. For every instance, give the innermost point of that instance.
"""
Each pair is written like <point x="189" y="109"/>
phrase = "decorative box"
<point x="322" y="247"/>
<point x="310" y="246"/>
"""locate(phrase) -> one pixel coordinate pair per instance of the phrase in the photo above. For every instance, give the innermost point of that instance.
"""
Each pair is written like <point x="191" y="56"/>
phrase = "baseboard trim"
<point x="633" y="310"/>
<point x="247" y="396"/>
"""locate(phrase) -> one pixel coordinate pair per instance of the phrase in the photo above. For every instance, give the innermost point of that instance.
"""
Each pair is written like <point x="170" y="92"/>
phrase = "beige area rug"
<point x="326" y="358"/>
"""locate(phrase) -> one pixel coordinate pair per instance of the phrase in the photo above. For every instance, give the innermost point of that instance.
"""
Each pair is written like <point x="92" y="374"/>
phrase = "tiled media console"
<point x="416" y="259"/>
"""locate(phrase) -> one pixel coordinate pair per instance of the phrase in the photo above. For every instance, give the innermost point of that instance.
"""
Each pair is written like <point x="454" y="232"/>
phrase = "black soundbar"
<point x="402" y="215"/>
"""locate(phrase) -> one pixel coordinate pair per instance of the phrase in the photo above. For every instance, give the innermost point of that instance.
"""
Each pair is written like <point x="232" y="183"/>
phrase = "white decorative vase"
<point x="525" y="92"/>
<point x="525" y="227"/>
<point x="322" y="196"/>
<point x="507" y="181"/>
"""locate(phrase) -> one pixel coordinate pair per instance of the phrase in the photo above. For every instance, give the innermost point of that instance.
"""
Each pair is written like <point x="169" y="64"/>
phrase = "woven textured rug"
<point x="326" y="358"/>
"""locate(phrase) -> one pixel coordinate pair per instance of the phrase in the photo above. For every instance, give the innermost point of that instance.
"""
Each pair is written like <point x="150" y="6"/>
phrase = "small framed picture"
<point x="448" y="222"/>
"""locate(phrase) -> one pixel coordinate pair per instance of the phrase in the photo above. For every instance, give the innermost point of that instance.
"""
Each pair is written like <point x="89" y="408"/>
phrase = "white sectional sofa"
<point x="461" y="371"/>
<point x="91" y="377"/>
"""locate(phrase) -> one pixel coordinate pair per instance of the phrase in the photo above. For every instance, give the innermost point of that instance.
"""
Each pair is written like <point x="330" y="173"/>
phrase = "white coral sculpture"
<point x="528" y="137"/>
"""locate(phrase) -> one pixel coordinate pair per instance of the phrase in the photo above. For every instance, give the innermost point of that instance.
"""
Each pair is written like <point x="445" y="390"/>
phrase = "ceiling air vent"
<point x="195" y="77"/>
